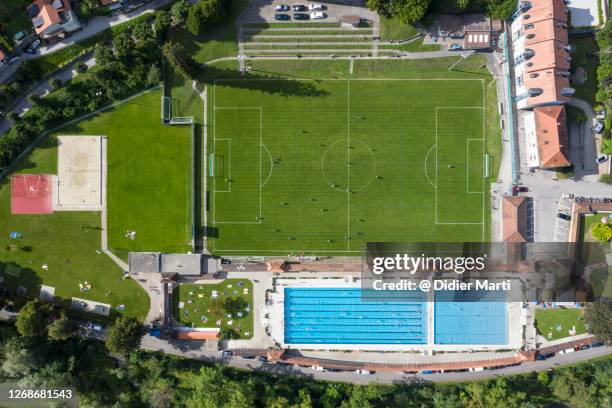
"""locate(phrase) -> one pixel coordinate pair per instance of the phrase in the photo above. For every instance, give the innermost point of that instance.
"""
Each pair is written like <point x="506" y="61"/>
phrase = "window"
<point x="530" y="36"/>
<point x="529" y="26"/>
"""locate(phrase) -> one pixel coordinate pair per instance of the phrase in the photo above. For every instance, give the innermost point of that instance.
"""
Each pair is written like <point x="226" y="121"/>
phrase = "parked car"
<point x="564" y="216"/>
<point x="315" y="7"/>
<point x="93" y="327"/>
<point x="602" y="159"/>
<point x="317" y="368"/>
<point x="282" y="17"/>
<point x="301" y="16"/>
<point x="299" y="7"/>
<point x="519" y="189"/>
<point x="456" y="36"/>
<point x="36" y="43"/>
<point x="364" y="372"/>
<point x="455" y="47"/>
<point x="601" y="114"/>
<point x="598" y="127"/>
<point x="227" y="353"/>
<point x="318" y="15"/>
<point x="281" y="7"/>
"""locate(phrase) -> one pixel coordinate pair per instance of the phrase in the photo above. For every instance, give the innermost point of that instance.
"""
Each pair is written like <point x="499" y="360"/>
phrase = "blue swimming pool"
<point x="475" y="317"/>
<point x="353" y="316"/>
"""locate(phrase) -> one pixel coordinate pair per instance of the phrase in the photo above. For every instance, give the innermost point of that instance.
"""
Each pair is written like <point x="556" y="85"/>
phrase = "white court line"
<point x="467" y="181"/>
<point x="467" y="173"/>
<point x="215" y="108"/>
<point x="348" y="165"/>
<point x="426" y="159"/>
<point x="229" y="167"/>
<point x="271" y="166"/>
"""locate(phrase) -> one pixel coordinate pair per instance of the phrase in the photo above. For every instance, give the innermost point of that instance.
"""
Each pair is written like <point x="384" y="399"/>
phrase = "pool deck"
<point x="275" y="322"/>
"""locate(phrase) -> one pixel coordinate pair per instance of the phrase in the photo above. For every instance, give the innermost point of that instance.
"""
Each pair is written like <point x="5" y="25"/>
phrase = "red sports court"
<point x="31" y="194"/>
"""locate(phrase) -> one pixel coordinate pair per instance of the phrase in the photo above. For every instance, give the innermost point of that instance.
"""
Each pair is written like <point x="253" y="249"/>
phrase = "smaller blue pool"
<point x="474" y="317"/>
<point x="354" y="316"/>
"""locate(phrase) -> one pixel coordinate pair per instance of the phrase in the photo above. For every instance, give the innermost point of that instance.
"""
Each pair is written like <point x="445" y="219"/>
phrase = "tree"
<point x="56" y="83"/>
<point x="17" y="359"/>
<point x="103" y="55"/>
<point x="179" y="11"/>
<point x="33" y="318"/>
<point x="123" y="44"/>
<point x="162" y="23"/>
<point x="143" y="31"/>
<point x="598" y="317"/>
<point x="62" y="328"/>
<point x="178" y="58"/>
<point x="154" y="75"/>
<point x="81" y="68"/>
<point x="195" y="20"/>
<point x="602" y="232"/>
<point x="124" y="336"/>
<point x="411" y="11"/>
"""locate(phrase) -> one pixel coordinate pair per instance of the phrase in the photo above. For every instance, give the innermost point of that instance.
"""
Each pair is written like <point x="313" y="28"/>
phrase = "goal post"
<point x="211" y="165"/>
<point x="166" y="110"/>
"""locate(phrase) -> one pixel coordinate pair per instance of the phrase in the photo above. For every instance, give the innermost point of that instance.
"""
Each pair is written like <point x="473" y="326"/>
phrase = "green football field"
<point x="324" y="166"/>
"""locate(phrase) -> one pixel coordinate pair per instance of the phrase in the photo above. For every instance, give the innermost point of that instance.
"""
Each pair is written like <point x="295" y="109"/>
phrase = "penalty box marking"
<point x="467" y="165"/>
<point x="215" y="191"/>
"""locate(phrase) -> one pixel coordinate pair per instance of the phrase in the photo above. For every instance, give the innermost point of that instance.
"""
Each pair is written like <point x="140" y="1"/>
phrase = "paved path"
<point x="311" y="36"/>
<point x="97" y="25"/>
<point x="23" y="104"/>
<point x="196" y="350"/>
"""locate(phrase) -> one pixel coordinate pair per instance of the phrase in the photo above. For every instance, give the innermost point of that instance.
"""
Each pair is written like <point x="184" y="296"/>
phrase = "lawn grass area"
<point x="67" y="242"/>
<point x="148" y="176"/>
<point x="393" y="29"/>
<point x="587" y="222"/>
<point x="361" y="172"/>
<point x="13" y="17"/>
<point x="414" y="46"/>
<point x="547" y="320"/>
<point x="217" y="41"/>
<point x="584" y="55"/>
<point x="600" y="280"/>
<point x="191" y="314"/>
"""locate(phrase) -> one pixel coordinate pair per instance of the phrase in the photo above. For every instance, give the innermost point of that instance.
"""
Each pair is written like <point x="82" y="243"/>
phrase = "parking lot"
<point x="562" y="225"/>
<point x="263" y="11"/>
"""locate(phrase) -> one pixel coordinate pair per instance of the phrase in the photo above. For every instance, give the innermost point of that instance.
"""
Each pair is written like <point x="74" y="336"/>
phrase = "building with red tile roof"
<point x="53" y="19"/>
<point x="551" y="134"/>
<point x="514" y="214"/>
<point x="542" y="79"/>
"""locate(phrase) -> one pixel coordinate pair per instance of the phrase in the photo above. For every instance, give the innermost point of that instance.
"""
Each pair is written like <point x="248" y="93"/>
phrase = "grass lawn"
<point x="548" y="320"/>
<point x="367" y="162"/>
<point x="393" y="29"/>
<point x="584" y="55"/>
<point x="67" y="242"/>
<point x="217" y="41"/>
<point x="148" y="176"/>
<point x="192" y="314"/>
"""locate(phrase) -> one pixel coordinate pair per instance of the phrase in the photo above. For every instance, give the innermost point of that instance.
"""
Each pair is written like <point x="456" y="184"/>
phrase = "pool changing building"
<point x="330" y="314"/>
<point x="542" y="80"/>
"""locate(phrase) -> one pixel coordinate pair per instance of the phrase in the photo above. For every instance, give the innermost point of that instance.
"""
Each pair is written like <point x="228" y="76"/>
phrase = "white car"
<point x="315" y="7"/>
<point x="317" y="15"/>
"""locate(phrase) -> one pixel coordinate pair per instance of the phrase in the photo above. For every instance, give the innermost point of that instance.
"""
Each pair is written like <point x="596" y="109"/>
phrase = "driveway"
<point x="22" y="105"/>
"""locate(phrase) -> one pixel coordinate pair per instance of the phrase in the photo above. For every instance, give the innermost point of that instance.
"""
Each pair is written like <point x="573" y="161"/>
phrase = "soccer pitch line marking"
<point x="435" y="146"/>
<point x="271" y="166"/>
<point x="467" y="166"/>
<point x="348" y="165"/>
<point x="215" y="109"/>
<point x="229" y="167"/>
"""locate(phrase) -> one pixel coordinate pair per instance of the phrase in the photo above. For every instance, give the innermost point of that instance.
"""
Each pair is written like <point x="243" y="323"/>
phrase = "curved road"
<point x="196" y="350"/>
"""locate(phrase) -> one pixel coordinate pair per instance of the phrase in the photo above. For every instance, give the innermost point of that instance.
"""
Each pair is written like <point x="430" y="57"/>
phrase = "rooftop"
<point x="514" y="213"/>
<point x="551" y="133"/>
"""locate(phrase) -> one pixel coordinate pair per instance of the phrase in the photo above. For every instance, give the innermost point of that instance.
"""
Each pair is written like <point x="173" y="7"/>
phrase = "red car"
<point x="519" y="189"/>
